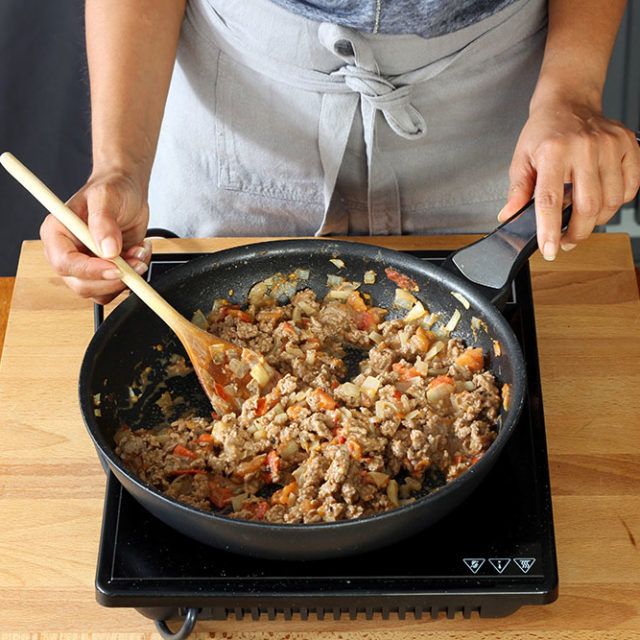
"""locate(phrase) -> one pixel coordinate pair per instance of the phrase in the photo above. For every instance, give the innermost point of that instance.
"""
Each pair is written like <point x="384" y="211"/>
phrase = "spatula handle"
<point x="78" y="227"/>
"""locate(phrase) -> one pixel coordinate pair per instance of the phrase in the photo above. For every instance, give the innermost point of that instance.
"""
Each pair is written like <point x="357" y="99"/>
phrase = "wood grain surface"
<point x="51" y="484"/>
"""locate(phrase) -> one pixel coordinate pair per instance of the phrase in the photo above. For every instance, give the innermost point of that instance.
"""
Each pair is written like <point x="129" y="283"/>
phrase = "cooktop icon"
<point x="474" y="564"/>
<point x="500" y="564"/>
<point x="524" y="563"/>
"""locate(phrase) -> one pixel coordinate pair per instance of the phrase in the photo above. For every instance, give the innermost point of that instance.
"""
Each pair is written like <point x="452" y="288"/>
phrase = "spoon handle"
<point x="78" y="227"/>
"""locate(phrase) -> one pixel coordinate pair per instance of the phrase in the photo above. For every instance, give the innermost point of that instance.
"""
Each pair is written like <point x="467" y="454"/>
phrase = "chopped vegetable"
<point x="323" y="401"/>
<point x="461" y="298"/>
<point x="453" y="321"/>
<point x="403" y="281"/>
<point x="440" y="388"/>
<point x="472" y="359"/>
<point x="181" y="450"/>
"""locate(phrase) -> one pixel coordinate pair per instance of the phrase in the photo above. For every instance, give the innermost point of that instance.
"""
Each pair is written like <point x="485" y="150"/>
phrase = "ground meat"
<point x="316" y="447"/>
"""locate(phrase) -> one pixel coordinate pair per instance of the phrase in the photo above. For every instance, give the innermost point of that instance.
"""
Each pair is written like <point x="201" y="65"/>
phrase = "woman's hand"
<point x="116" y="211"/>
<point x="566" y="143"/>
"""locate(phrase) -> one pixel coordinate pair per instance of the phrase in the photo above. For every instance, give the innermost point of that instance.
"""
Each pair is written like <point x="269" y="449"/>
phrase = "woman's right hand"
<point x="115" y="208"/>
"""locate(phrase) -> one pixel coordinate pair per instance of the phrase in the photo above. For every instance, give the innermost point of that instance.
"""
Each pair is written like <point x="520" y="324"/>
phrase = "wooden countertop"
<point x="51" y="484"/>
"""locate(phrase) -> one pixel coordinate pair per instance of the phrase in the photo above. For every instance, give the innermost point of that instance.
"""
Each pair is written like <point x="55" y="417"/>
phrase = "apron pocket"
<point x="266" y="136"/>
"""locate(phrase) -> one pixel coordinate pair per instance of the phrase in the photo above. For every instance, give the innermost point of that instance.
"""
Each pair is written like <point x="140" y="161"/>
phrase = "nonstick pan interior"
<point x="130" y="349"/>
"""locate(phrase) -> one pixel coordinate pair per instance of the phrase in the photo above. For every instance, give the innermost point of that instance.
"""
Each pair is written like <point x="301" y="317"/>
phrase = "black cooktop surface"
<point x="493" y="554"/>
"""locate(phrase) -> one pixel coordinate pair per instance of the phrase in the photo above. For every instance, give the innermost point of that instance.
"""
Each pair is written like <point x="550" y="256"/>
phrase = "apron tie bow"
<point x="374" y="93"/>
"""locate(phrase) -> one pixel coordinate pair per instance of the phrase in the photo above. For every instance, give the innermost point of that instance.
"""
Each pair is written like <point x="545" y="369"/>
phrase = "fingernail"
<point x="110" y="274"/>
<point x="143" y="251"/>
<point x="567" y="246"/>
<point x="141" y="267"/>
<point x="109" y="248"/>
<point x="549" y="251"/>
<point x="501" y="210"/>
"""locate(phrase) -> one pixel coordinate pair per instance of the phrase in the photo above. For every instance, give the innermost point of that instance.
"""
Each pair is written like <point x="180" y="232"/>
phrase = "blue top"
<point x="426" y="18"/>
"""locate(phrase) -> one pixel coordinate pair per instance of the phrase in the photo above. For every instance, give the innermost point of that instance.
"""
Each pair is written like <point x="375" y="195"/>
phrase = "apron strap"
<point x="374" y="93"/>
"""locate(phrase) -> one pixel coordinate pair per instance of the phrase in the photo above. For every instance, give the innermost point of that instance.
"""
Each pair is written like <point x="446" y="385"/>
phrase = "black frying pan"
<point x="126" y="343"/>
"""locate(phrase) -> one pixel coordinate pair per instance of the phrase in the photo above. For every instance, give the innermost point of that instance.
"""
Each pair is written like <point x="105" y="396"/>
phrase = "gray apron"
<point x="276" y="125"/>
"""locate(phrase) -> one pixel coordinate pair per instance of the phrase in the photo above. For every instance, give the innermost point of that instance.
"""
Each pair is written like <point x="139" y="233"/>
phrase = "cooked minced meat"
<point x="316" y="447"/>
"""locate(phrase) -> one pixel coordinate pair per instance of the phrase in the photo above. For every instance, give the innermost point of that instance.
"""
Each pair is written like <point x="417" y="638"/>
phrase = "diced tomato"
<point x="365" y="321"/>
<point x="250" y="466"/>
<point x="219" y="496"/>
<point x="258" y="509"/>
<point x="472" y="359"/>
<point x="421" y="339"/>
<point x="220" y="392"/>
<point x="205" y="438"/>
<point x="181" y="450"/>
<point x="403" y="281"/>
<point x="338" y="437"/>
<point x="288" y="329"/>
<point x="441" y="380"/>
<point x="282" y="495"/>
<point x="356" y="303"/>
<point x="323" y="400"/>
<point x="236" y="312"/>
<point x="273" y="466"/>
<point x="261" y="406"/>
<point x="296" y="411"/>
<point x="355" y="450"/>
<point x="405" y="372"/>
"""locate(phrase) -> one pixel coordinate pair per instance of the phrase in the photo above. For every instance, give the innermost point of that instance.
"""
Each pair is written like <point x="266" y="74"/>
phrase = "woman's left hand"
<point x="564" y="143"/>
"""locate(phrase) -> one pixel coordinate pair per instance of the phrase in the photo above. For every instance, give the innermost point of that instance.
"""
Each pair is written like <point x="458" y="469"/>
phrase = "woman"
<point x="286" y="118"/>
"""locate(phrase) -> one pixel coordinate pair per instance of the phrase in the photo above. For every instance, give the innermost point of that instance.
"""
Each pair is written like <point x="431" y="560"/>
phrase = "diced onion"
<point x="453" y="321"/>
<point x="439" y="391"/>
<point x="337" y="294"/>
<point x="463" y="301"/>
<point x="429" y="320"/>
<point x="200" y="320"/>
<point x="404" y="299"/>
<point x="258" y="292"/>
<point x="239" y="368"/>
<point x="333" y="280"/>
<point x="392" y="492"/>
<point x="339" y="263"/>
<point x="349" y="391"/>
<point x="375" y="337"/>
<point x="416" y="312"/>
<point x="305" y="307"/>
<point x="289" y="450"/>
<point x="303" y="274"/>
<point x="436" y="348"/>
<point x="260" y="374"/>
<point x="370" y="386"/>
<point x="369" y="277"/>
<point x="380" y="479"/>
<point x="238" y="501"/>
<point x="384" y="409"/>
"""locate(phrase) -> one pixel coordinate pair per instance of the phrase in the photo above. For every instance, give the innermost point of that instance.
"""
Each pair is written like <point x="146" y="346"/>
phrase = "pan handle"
<point x="490" y="264"/>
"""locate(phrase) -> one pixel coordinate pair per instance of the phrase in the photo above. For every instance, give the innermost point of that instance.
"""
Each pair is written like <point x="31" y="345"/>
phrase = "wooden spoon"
<point x="228" y="374"/>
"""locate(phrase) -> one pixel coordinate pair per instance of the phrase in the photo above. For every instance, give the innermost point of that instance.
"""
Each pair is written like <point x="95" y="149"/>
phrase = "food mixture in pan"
<point x="316" y="447"/>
